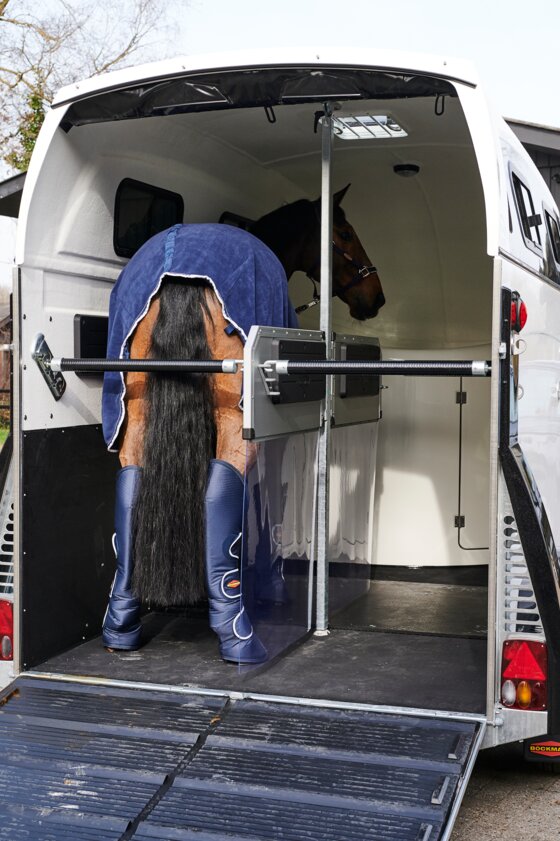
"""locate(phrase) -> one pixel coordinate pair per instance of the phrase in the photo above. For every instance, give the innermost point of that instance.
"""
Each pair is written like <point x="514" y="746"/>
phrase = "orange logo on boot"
<point x="233" y="584"/>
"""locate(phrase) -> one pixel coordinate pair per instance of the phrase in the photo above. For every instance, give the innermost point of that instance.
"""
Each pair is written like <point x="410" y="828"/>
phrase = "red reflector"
<point x="6" y="630"/>
<point x="522" y="315"/>
<point x="524" y="660"/>
<point x="524" y="673"/>
<point x="518" y="315"/>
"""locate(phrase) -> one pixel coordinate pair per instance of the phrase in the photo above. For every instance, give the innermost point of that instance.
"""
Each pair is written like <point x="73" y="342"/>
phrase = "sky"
<point x="514" y="45"/>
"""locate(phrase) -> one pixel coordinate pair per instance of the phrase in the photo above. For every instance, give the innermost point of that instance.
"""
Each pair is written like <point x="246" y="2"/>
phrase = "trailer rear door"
<point x="109" y="763"/>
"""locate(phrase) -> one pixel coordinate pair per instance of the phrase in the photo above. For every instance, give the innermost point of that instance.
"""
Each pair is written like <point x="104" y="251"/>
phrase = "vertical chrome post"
<point x="495" y="638"/>
<point x="322" y="617"/>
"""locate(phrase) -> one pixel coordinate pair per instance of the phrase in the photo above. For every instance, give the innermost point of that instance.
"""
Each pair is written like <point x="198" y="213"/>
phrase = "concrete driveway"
<point x="509" y="800"/>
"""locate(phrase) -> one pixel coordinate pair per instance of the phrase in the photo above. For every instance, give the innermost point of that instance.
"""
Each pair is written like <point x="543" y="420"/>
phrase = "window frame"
<point x="523" y="218"/>
<point x="549" y="219"/>
<point x="155" y="192"/>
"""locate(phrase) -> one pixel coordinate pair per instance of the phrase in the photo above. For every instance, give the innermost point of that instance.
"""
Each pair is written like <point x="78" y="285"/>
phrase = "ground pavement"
<point x="509" y="800"/>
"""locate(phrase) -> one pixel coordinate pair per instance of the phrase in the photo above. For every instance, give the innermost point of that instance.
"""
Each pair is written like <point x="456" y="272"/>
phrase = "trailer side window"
<point x="530" y="221"/>
<point x="554" y="234"/>
<point x="142" y="210"/>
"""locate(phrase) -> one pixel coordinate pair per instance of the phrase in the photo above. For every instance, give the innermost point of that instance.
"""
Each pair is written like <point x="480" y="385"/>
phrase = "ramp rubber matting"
<point x="88" y="762"/>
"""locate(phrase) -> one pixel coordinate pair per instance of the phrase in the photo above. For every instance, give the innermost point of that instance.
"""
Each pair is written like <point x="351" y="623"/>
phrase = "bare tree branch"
<point x="41" y="51"/>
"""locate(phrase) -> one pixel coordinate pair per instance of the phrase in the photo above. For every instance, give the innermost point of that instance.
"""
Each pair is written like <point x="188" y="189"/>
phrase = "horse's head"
<point x="293" y="232"/>
<point x="355" y="279"/>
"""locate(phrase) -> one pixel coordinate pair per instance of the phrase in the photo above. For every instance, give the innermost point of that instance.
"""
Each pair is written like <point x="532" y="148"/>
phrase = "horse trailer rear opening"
<point x="401" y="472"/>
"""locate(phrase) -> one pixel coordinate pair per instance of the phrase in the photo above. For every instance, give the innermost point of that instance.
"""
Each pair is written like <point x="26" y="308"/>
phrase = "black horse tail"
<point x="179" y="441"/>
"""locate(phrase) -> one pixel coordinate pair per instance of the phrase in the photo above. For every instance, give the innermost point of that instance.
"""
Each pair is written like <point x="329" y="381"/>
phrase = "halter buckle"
<point x="314" y="301"/>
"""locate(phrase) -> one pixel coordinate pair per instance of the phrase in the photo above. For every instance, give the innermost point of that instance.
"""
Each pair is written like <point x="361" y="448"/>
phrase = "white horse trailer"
<point x="417" y="539"/>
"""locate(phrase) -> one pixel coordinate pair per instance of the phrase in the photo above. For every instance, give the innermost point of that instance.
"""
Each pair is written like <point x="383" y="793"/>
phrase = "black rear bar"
<point x="187" y="366"/>
<point x="415" y="368"/>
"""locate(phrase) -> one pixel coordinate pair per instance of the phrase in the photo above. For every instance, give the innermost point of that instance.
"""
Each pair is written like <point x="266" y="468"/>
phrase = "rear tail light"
<point x="518" y="313"/>
<point x="6" y="630"/>
<point x="522" y="315"/>
<point x="524" y="674"/>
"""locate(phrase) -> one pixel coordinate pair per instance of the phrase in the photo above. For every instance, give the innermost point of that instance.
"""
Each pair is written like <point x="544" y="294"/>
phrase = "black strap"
<point x="314" y="301"/>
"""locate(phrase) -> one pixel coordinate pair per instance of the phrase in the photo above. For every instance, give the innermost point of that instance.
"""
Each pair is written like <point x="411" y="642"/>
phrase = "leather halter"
<point x="362" y="271"/>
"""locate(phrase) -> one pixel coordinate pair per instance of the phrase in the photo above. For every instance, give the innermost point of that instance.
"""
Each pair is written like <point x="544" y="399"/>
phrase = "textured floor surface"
<point x="408" y="644"/>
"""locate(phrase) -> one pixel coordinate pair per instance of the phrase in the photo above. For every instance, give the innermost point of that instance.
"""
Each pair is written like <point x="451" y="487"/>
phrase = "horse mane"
<point x="179" y="441"/>
<point x="286" y="229"/>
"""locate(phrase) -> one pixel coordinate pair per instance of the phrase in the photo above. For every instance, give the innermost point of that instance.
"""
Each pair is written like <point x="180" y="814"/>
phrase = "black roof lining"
<point x="256" y="87"/>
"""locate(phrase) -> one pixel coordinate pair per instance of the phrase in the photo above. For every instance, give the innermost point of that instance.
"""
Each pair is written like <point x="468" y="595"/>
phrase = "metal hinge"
<point x="459" y="521"/>
<point x="461" y="398"/>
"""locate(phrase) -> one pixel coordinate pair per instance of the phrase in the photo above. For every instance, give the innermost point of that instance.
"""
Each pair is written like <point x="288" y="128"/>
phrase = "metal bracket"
<point x="42" y="355"/>
<point x="518" y="345"/>
<point x="269" y="374"/>
<point x="455" y="751"/>
<point x="425" y="832"/>
<point x="439" y="793"/>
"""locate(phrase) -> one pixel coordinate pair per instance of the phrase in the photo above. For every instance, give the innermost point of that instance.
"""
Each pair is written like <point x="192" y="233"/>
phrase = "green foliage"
<point x="31" y="121"/>
<point x="46" y="45"/>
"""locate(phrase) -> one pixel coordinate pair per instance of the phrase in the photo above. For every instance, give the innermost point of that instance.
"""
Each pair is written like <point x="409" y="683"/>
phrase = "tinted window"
<point x="141" y="211"/>
<point x="554" y="234"/>
<point x="530" y="221"/>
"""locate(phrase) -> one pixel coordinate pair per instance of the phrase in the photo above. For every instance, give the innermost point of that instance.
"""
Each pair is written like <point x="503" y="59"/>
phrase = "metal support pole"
<point x="322" y="616"/>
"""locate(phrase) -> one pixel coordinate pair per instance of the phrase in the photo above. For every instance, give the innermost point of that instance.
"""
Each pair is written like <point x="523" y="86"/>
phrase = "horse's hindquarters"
<point x="227" y="388"/>
<point x="131" y="449"/>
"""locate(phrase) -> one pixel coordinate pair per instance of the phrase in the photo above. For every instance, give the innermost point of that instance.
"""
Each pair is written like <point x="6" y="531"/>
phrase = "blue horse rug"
<point x="246" y="276"/>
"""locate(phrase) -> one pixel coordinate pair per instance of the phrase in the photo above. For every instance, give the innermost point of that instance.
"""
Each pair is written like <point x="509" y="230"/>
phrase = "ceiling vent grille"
<point x="367" y="127"/>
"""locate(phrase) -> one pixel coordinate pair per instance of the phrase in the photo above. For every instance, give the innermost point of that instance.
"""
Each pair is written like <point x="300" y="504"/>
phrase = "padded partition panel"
<point x="67" y="522"/>
<point x="278" y="538"/>
<point x="352" y="487"/>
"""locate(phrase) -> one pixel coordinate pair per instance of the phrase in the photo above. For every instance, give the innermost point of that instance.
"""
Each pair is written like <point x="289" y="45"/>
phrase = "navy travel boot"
<point x="224" y="522"/>
<point x="121" y="625"/>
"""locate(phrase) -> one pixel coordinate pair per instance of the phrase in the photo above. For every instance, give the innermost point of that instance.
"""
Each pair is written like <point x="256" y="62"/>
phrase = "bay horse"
<point x="179" y="493"/>
<point x="293" y="232"/>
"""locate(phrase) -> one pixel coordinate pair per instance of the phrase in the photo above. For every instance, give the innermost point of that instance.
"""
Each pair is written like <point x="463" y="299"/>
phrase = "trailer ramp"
<point x="109" y="763"/>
